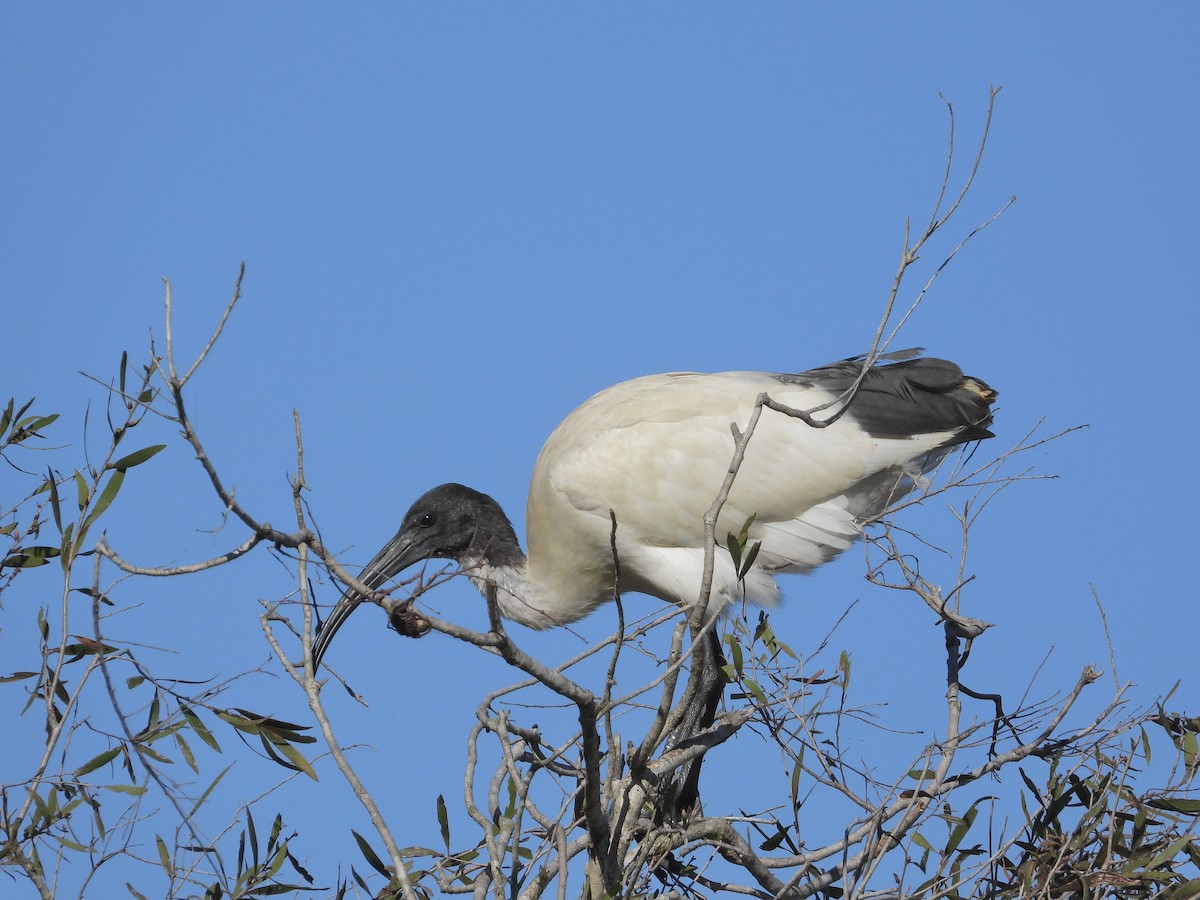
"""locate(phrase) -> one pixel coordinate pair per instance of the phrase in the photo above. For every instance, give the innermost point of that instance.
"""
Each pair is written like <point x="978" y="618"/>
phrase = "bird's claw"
<point x="407" y="621"/>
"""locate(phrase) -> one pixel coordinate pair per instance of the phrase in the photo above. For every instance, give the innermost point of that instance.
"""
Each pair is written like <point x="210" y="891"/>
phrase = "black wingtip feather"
<point x="911" y="396"/>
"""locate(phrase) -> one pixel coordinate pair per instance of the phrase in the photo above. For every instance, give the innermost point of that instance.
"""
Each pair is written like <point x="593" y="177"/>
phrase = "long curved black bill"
<point x="397" y="555"/>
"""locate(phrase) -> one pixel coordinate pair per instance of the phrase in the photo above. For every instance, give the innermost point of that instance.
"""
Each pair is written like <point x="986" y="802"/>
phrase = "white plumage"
<point x="655" y="451"/>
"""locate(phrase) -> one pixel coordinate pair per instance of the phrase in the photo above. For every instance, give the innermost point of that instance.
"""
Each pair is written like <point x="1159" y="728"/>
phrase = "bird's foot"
<point x="407" y="621"/>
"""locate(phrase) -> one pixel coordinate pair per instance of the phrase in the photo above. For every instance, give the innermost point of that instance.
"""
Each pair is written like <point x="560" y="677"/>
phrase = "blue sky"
<point x="459" y="221"/>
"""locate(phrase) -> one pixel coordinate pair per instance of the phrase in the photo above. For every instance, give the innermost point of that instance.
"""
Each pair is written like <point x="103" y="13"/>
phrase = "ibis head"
<point x="449" y="522"/>
<point x="452" y="522"/>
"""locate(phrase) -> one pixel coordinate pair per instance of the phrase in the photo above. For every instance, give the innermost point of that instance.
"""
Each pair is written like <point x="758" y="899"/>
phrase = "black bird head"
<point x="449" y="522"/>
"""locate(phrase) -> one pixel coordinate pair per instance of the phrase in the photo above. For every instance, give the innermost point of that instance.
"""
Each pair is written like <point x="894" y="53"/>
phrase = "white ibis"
<point x="655" y="450"/>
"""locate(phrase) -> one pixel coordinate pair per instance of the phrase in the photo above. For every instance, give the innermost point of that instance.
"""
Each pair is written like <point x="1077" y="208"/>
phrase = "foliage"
<point x="1090" y="825"/>
<point x="85" y="791"/>
<point x="567" y="771"/>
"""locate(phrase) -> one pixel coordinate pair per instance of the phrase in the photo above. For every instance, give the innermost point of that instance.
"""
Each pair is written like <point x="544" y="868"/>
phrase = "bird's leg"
<point x="701" y="697"/>
<point x="954" y="664"/>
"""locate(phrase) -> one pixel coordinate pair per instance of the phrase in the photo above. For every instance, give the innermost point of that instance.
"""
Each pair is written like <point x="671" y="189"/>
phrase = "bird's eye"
<point x="427" y="520"/>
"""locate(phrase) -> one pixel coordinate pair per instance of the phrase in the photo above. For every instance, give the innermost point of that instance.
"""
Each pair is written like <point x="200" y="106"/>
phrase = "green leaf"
<point x="359" y="881"/>
<point x="1168" y="852"/>
<point x="1176" y="804"/>
<point x="960" y="830"/>
<point x="106" y="497"/>
<point x="208" y="790"/>
<point x="45" y="809"/>
<point x="370" y="856"/>
<point x="756" y="691"/>
<point x="276" y="862"/>
<point x="1191" y="888"/>
<point x="152" y="718"/>
<point x="81" y="491"/>
<point x="137" y="457"/>
<point x="1029" y="784"/>
<point x="276" y="828"/>
<point x="135" y="789"/>
<point x="199" y="727"/>
<point x="133" y="681"/>
<point x="297" y="759"/>
<point x="241" y="724"/>
<point x="736" y="545"/>
<point x="55" y="503"/>
<point x="164" y="857"/>
<point x="443" y="821"/>
<point x="30" y="557"/>
<point x="797" y="771"/>
<point x="278" y="727"/>
<point x="86" y="647"/>
<point x="66" y="554"/>
<point x="773" y="842"/>
<point x="96" y="762"/>
<point x="735" y="650"/>
<point x="145" y="750"/>
<point x="25" y="427"/>
<point x="18" y="676"/>
<point x="744" y="569"/>
<point x="252" y="833"/>
<point x="187" y="752"/>
<point x="1190" y="749"/>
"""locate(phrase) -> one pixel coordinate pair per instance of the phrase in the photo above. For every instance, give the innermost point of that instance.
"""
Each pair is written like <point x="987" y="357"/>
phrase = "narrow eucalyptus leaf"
<point x="199" y="728"/>
<point x="164" y="857"/>
<point x="298" y="760"/>
<point x="443" y="818"/>
<point x="30" y="557"/>
<point x="370" y="855"/>
<point x="83" y="494"/>
<point x="137" y="457"/>
<point x="106" y="497"/>
<point x="735" y="550"/>
<point x="96" y="762"/>
<point x="1176" y="804"/>
<point x="55" y="503"/>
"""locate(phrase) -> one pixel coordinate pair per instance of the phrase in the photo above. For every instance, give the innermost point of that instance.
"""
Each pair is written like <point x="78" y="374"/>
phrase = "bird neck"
<point x="516" y="596"/>
<point x="522" y="597"/>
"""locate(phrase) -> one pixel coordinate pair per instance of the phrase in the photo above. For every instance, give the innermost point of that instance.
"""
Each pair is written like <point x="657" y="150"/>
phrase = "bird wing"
<point x="655" y="451"/>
